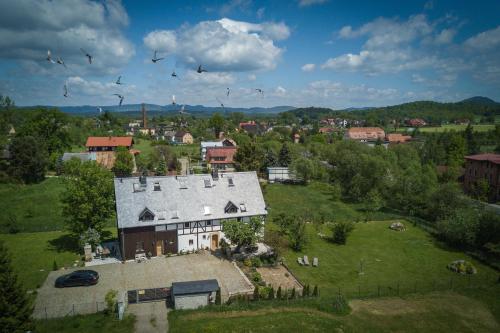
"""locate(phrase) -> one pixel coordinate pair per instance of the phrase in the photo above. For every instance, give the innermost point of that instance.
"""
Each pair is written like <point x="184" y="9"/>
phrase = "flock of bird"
<point x="155" y="59"/>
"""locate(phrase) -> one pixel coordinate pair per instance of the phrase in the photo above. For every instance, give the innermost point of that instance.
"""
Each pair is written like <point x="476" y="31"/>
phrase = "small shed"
<point x="194" y="294"/>
<point x="278" y="174"/>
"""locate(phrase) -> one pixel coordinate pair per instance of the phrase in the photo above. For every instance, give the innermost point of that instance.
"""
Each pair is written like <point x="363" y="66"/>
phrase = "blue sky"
<point x="302" y="53"/>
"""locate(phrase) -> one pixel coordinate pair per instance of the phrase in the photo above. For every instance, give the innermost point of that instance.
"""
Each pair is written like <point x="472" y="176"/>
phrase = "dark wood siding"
<point x="129" y="238"/>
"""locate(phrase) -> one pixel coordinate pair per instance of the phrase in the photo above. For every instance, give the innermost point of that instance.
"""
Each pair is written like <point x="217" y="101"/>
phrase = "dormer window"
<point x="230" y="208"/>
<point x="146" y="215"/>
<point x="156" y="186"/>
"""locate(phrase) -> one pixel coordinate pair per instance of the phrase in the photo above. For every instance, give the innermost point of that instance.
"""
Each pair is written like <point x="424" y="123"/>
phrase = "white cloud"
<point x="306" y="3"/>
<point x="308" y="67"/>
<point x="445" y="36"/>
<point x="223" y="45"/>
<point x="28" y="28"/>
<point x="252" y="77"/>
<point x="485" y="40"/>
<point x="280" y="91"/>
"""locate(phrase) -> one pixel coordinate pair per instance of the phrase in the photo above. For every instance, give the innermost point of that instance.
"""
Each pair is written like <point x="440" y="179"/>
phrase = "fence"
<point x="148" y="295"/>
<point x="58" y="311"/>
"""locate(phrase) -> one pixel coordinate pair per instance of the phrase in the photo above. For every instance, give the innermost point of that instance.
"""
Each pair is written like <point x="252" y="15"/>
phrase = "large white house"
<point x="170" y="214"/>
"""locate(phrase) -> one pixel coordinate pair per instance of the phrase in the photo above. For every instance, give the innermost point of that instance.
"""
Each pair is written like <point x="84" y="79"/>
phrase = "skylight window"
<point x="206" y="210"/>
<point x="175" y="214"/>
<point x="243" y="207"/>
<point x="182" y="182"/>
<point x="230" y="181"/>
<point x="207" y="182"/>
<point x="157" y="186"/>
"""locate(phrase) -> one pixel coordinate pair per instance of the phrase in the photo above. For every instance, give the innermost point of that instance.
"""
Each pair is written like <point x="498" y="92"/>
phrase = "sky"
<point x="326" y="53"/>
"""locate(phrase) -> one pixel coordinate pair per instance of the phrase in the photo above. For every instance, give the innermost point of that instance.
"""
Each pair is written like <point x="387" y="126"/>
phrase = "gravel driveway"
<point x="155" y="273"/>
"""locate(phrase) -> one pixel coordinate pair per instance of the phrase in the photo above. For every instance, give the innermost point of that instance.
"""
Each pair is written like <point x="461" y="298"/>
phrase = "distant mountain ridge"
<point x="170" y="108"/>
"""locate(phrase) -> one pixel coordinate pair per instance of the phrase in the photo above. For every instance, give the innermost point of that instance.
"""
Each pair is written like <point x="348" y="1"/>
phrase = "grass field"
<point x="95" y="323"/>
<point x="33" y="254"/>
<point x="32" y="207"/>
<point x="436" y="312"/>
<point x="443" y="128"/>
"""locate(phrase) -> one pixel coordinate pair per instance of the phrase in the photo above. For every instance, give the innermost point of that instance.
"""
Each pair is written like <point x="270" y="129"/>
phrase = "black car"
<point x="78" y="278"/>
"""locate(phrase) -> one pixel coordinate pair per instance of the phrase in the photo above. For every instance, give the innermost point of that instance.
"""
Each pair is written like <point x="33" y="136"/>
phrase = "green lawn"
<point x="33" y="254"/>
<point x="95" y="323"/>
<point x="478" y="128"/>
<point x="32" y="207"/>
<point x="144" y="146"/>
<point x="436" y="312"/>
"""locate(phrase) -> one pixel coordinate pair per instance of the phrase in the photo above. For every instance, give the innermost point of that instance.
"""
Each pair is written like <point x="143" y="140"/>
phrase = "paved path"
<point x="150" y="317"/>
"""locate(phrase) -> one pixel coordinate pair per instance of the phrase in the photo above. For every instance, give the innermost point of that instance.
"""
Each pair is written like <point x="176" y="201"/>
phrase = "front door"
<point x="215" y="242"/>
<point x="159" y="247"/>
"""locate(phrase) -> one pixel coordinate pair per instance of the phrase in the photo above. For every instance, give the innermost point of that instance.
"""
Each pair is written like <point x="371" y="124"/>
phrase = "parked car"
<point x="78" y="278"/>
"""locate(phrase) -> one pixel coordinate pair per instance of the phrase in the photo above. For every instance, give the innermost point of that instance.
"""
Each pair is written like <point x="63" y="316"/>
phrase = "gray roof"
<point x="194" y="287"/>
<point x="187" y="198"/>
<point x="81" y="156"/>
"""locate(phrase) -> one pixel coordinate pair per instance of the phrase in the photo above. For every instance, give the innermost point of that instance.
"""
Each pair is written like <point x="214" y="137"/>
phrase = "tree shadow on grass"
<point x="65" y="243"/>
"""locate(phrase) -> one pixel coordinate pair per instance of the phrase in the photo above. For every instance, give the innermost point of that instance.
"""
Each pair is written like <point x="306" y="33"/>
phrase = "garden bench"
<point x="306" y="261"/>
<point x="315" y="262"/>
<point x="299" y="260"/>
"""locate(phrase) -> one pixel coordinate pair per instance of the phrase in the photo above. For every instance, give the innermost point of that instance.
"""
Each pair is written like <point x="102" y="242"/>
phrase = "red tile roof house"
<point x="365" y="134"/>
<point x="105" y="147"/>
<point x="483" y="166"/>
<point x="108" y="143"/>
<point x="394" y="138"/>
<point x="416" y="122"/>
<point x="221" y="158"/>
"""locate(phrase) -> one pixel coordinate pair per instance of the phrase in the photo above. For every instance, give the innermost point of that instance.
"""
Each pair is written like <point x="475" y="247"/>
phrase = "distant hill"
<point x="154" y="108"/>
<point x="480" y="100"/>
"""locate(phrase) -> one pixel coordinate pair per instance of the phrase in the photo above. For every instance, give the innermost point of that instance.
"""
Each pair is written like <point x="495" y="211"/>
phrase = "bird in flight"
<point x="228" y="91"/>
<point x="65" y="90"/>
<point x="118" y="81"/>
<point x="181" y="111"/>
<point x="260" y="91"/>
<point x="155" y="59"/>
<point x="100" y="109"/>
<point x="173" y="100"/>
<point x="89" y="57"/>
<point x="49" y="57"/>
<point x="120" y="97"/>
<point x="174" y="74"/>
<point x="221" y="104"/>
<point x="201" y="70"/>
<point x="61" y="62"/>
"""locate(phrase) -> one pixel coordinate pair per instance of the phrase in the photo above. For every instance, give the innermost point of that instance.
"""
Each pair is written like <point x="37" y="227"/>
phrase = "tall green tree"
<point x="303" y="169"/>
<point x="249" y="157"/>
<point x="217" y="123"/>
<point x="124" y="163"/>
<point x="88" y="200"/>
<point x="15" y="307"/>
<point x="29" y="159"/>
<point x="243" y="233"/>
<point x="284" y="157"/>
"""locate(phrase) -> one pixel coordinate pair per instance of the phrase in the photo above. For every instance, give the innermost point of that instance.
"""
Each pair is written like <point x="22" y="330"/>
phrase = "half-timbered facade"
<point x="172" y="214"/>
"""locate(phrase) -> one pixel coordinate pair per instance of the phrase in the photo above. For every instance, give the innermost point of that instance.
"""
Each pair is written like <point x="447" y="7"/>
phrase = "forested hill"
<point x="432" y="112"/>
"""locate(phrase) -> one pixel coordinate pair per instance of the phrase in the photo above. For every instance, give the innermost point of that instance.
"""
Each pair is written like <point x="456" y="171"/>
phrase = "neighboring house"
<point x="250" y="127"/>
<point x="221" y="158"/>
<point x="147" y="131"/>
<point x="108" y="143"/>
<point x="182" y="137"/>
<point x="365" y="134"/>
<point x="221" y="143"/>
<point x="296" y="138"/>
<point x="278" y="174"/>
<point x="416" y="122"/>
<point x="172" y="214"/>
<point x="483" y="166"/>
<point x="325" y="130"/>
<point x="194" y="294"/>
<point x="12" y="131"/>
<point x="394" y="138"/>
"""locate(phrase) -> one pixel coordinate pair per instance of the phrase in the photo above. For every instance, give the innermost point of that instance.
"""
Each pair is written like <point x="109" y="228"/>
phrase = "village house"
<point x="416" y="122"/>
<point x="172" y="214"/>
<point x="108" y="143"/>
<point x="182" y="137"/>
<point x="221" y="158"/>
<point x="221" y="143"/>
<point x="483" y="166"/>
<point x="395" y="138"/>
<point x="365" y="134"/>
<point x="103" y="150"/>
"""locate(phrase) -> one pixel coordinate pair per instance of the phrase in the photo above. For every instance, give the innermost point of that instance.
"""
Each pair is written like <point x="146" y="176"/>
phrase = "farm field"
<point x="32" y="207"/>
<point x="436" y="312"/>
<point x="477" y="128"/>
<point x="96" y="323"/>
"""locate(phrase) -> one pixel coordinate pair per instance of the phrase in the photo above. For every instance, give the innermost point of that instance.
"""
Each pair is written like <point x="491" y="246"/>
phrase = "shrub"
<point x="462" y="267"/>
<point x="54" y="266"/>
<point x="110" y="299"/>
<point x="256" y="262"/>
<point x="218" y="298"/>
<point x="278" y="293"/>
<point x="271" y="295"/>
<point x="340" y="305"/>
<point x="256" y="277"/>
<point x="315" y="291"/>
<point x="340" y="231"/>
<point x="247" y="262"/>
<point x="256" y="295"/>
